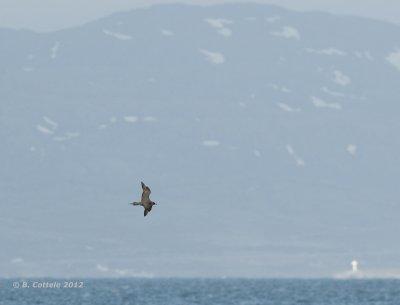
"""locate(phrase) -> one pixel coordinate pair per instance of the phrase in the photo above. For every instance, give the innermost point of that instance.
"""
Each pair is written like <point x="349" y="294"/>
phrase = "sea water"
<point x="199" y="291"/>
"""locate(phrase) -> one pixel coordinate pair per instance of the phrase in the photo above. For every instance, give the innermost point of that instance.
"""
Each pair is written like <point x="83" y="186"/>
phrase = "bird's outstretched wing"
<point x="147" y="210"/>
<point x="146" y="192"/>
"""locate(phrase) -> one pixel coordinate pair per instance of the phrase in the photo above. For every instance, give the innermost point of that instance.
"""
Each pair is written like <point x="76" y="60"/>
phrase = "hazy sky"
<point x="47" y="15"/>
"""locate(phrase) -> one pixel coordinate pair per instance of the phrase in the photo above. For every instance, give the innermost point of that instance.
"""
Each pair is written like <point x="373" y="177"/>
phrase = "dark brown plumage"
<point x="145" y="201"/>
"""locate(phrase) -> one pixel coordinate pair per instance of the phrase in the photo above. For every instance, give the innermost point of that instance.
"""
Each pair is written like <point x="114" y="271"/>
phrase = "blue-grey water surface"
<point x="205" y="291"/>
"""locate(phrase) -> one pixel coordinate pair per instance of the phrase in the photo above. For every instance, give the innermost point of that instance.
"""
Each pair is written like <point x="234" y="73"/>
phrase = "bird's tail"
<point x="135" y="203"/>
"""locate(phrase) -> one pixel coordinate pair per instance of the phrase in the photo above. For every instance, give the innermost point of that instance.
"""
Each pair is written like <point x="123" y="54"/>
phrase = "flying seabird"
<point x="145" y="201"/>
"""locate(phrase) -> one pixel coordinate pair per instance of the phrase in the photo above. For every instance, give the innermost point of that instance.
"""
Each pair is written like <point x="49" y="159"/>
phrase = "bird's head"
<point x="153" y="203"/>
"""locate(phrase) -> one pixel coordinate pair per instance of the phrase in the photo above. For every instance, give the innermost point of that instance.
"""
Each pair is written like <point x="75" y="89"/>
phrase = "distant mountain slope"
<point x="269" y="138"/>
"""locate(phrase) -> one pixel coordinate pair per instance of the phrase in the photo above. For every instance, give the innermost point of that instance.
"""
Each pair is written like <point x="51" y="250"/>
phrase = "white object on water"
<point x="354" y="266"/>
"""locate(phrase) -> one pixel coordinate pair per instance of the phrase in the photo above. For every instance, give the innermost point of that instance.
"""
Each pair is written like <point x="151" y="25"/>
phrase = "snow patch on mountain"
<point x="333" y="93"/>
<point x="225" y="32"/>
<point x="320" y="103"/>
<point x="28" y="69"/>
<point x="67" y="136"/>
<point x="17" y="260"/>
<point x="219" y="24"/>
<point x="272" y="19"/>
<point x="213" y="57"/>
<point x="54" y="49"/>
<point x="328" y="51"/>
<point x="44" y="130"/>
<point x="130" y="119"/>
<point x="287" y="32"/>
<point x="340" y="78"/>
<point x="117" y="35"/>
<point x="250" y="19"/>
<point x="394" y="59"/>
<point x="50" y="128"/>
<point x="299" y="161"/>
<point x="211" y="143"/>
<point x="351" y="149"/>
<point x="280" y="88"/>
<point x="286" y="107"/>
<point x="363" y="55"/>
<point x="167" y="32"/>
<point x="149" y="119"/>
<point x="341" y="95"/>
<point x="50" y="122"/>
<point x="70" y="134"/>
<point x="102" y="268"/>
